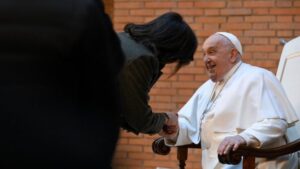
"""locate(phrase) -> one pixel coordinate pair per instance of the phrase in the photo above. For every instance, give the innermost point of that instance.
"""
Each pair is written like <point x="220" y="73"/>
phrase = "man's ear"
<point x="234" y="55"/>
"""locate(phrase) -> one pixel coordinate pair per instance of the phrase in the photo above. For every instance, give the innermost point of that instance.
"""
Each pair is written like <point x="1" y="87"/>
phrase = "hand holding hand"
<point x="230" y="143"/>
<point x="170" y="127"/>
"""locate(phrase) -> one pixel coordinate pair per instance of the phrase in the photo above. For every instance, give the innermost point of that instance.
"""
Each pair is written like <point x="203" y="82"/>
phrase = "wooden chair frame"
<point x="248" y="154"/>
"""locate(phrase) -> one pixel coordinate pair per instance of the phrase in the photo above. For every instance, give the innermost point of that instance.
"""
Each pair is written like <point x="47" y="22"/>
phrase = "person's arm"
<point x="259" y="134"/>
<point x="264" y="132"/>
<point x="136" y="81"/>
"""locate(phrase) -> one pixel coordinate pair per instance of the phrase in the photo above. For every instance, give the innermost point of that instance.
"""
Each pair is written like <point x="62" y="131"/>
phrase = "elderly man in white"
<point x="239" y="105"/>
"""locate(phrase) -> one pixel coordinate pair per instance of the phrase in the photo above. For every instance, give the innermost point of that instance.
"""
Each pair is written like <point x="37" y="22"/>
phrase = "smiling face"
<point x="219" y="56"/>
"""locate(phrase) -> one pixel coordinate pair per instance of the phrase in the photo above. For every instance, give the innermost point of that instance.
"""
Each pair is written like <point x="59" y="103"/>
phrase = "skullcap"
<point x="233" y="39"/>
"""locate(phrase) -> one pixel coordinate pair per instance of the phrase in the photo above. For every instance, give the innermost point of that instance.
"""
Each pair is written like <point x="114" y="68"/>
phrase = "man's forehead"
<point x="212" y="42"/>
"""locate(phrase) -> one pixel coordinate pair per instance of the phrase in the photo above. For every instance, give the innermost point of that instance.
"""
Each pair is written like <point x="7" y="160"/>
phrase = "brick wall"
<point x="259" y="24"/>
<point x="108" y="4"/>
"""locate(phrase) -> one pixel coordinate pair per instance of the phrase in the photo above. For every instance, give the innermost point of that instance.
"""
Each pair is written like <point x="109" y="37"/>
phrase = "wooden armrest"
<point x="234" y="157"/>
<point x="159" y="146"/>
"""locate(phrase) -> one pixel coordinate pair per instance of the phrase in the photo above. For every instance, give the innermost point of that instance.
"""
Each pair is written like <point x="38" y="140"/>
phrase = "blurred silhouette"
<point x="59" y="62"/>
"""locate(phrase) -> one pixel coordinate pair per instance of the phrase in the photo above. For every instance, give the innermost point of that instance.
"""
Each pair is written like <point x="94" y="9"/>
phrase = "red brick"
<point x="167" y="164"/>
<point x="260" y="11"/>
<point x="123" y="141"/>
<point x="287" y="26"/>
<point x="181" y="98"/>
<point x="128" y="5"/>
<point x="140" y="156"/>
<point x="297" y="32"/>
<point x="160" y="11"/>
<point x="259" y="26"/>
<point x="285" y="11"/>
<point x="261" y="41"/>
<point x="186" y="85"/>
<point x="190" y="12"/>
<point x="284" y="33"/>
<point x="234" y="4"/>
<point x="161" y="99"/>
<point x="131" y="148"/>
<point x="210" y="4"/>
<point x="162" y="84"/>
<point x="259" y="55"/>
<point x="121" y="12"/>
<point x="266" y="63"/>
<point x="128" y="162"/>
<point x="284" y="19"/>
<point x="236" y="11"/>
<point x="211" y="27"/>
<point x="162" y="157"/>
<point x="186" y="4"/>
<point x="296" y="3"/>
<point x="129" y="19"/>
<point x="163" y="106"/>
<point x="160" y="5"/>
<point x="275" y="41"/>
<point x="210" y="19"/>
<point x="235" y="19"/>
<point x="246" y="40"/>
<point x="189" y="19"/>
<point x="196" y="26"/>
<point x="211" y="12"/>
<point x="262" y="33"/>
<point x="142" y="12"/>
<point x="261" y="48"/>
<point x="185" y="77"/>
<point x="236" y="26"/>
<point x="186" y="92"/>
<point x="260" y="19"/>
<point x="284" y="3"/>
<point x="204" y="33"/>
<point x="139" y="141"/>
<point x="163" y="92"/>
<point x="258" y="4"/>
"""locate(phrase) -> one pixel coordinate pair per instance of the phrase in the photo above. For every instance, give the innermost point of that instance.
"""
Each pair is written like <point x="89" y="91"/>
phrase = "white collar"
<point x="230" y="73"/>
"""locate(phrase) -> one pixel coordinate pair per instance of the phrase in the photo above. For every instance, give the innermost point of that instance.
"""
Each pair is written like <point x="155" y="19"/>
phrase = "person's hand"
<point x="230" y="143"/>
<point x="170" y="127"/>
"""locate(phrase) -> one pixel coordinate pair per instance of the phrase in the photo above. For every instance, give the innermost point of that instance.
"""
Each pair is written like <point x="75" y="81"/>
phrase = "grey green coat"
<point x="140" y="72"/>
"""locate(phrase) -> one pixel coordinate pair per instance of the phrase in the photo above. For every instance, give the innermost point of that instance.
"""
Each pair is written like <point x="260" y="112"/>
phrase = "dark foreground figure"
<point x="59" y="60"/>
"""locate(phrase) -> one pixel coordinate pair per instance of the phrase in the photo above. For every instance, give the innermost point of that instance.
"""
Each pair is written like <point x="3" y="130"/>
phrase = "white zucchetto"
<point x="233" y="39"/>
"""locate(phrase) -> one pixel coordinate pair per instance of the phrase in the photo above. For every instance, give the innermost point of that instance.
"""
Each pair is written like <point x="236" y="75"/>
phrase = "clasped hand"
<point x="170" y="127"/>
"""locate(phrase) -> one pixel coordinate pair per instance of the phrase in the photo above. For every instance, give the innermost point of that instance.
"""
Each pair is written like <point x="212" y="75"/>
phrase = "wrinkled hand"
<point x="170" y="127"/>
<point x="230" y="143"/>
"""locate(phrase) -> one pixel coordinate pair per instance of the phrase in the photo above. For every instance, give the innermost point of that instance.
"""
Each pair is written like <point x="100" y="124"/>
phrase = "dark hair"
<point x="168" y="36"/>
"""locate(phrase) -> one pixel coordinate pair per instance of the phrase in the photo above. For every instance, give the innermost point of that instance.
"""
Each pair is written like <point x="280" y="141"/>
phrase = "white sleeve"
<point x="264" y="132"/>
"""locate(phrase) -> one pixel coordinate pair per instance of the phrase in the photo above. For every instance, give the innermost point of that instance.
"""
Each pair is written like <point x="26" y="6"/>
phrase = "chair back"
<point x="288" y="73"/>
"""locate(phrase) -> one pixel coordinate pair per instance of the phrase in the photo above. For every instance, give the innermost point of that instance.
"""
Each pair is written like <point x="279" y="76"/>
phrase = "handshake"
<point x="170" y="128"/>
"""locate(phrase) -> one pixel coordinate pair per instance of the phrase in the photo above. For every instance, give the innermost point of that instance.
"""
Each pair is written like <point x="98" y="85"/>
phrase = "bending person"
<point x="148" y="48"/>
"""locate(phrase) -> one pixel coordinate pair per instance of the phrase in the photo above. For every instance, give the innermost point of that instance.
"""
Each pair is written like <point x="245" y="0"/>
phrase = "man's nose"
<point x="206" y="59"/>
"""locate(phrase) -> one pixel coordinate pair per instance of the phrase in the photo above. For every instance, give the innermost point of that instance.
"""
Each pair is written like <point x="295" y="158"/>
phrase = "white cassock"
<point x="251" y="102"/>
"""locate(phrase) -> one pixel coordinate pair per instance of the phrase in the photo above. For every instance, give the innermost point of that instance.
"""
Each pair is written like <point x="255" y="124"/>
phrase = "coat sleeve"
<point x="189" y="117"/>
<point x="136" y="81"/>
